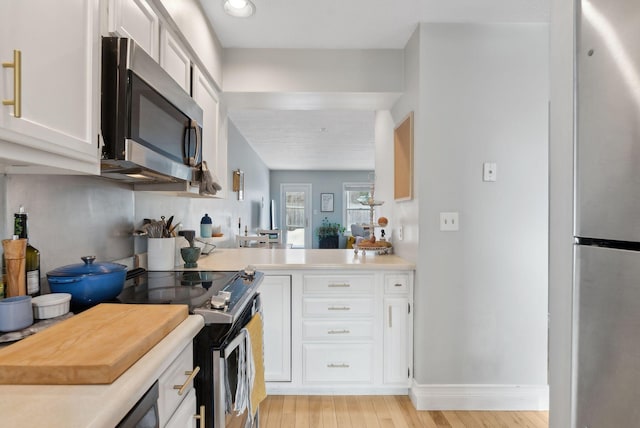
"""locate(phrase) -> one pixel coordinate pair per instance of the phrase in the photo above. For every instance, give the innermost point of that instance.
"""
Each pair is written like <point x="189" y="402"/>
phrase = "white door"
<point x="295" y="214"/>
<point x="275" y="292"/>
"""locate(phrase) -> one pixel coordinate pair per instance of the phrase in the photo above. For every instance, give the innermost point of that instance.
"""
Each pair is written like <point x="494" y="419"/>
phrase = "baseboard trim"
<point x="283" y="388"/>
<point x="479" y="397"/>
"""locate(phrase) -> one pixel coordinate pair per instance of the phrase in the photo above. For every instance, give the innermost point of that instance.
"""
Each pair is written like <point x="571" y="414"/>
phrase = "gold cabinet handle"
<point x="344" y="284"/>
<point x="200" y="416"/>
<point x="16" y="102"/>
<point x="191" y="374"/>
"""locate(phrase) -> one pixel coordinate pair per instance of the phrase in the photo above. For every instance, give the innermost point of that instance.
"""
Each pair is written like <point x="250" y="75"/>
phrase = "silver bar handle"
<point x="343" y="331"/>
<point x="339" y="308"/>
<point x="341" y="285"/>
<point x="338" y="366"/>
<point x="390" y="316"/>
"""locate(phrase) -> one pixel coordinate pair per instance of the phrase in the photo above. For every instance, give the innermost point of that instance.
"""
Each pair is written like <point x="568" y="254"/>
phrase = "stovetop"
<point x="195" y="289"/>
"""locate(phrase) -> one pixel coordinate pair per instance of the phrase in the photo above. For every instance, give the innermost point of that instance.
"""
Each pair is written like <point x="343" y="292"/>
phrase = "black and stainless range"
<point x="227" y="301"/>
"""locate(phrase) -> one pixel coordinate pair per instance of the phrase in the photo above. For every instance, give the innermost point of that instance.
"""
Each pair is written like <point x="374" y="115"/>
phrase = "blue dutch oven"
<point x="88" y="283"/>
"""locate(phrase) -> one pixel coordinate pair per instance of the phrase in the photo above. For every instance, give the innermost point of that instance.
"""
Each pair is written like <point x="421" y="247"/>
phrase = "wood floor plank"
<point x="342" y="413"/>
<point x="382" y="412"/>
<point x="453" y="419"/>
<point x="328" y="412"/>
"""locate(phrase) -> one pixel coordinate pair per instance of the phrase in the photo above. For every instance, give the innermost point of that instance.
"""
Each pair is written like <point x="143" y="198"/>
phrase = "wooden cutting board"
<point x="94" y="347"/>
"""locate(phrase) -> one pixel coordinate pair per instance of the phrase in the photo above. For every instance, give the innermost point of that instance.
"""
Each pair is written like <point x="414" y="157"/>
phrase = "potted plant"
<point x="328" y="234"/>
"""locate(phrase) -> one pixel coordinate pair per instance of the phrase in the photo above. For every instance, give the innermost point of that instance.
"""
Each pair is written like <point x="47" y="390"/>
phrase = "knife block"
<point x="15" y="251"/>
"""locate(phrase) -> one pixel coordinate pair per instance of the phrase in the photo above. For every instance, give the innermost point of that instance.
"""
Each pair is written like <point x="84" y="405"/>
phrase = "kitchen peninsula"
<point x="336" y="322"/>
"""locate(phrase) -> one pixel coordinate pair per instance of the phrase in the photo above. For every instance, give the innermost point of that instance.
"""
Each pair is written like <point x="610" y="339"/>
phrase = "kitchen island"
<point x="82" y="406"/>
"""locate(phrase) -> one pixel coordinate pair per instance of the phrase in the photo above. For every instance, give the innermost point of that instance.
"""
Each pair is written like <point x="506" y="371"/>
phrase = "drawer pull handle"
<point x="16" y="102"/>
<point x="344" y="284"/>
<point x="200" y="416"/>
<point x="192" y="374"/>
<point x="338" y="366"/>
<point x="343" y="331"/>
<point x="397" y="284"/>
<point x="390" y="316"/>
<point x="339" y="308"/>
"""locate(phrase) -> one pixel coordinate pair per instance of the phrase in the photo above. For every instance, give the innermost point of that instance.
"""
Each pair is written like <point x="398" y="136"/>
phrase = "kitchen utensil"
<point x="190" y="256"/>
<point x="50" y="305"/>
<point x="93" y="347"/>
<point x="15" y="313"/>
<point x="88" y="283"/>
<point x="15" y="251"/>
<point x="161" y="253"/>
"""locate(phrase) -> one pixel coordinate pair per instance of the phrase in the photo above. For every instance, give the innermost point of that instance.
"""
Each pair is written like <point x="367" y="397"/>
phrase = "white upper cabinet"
<point x="58" y="90"/>
<point x="135" y="19"/>
<point x="214" y="149"/>
<point x="175" y="60"/>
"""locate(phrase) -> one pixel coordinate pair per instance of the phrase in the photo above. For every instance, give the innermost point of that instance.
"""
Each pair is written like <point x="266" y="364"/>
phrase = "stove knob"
<point x="250" y="271"/>
<point x="226" y="295"/>
<point x="218" y="302"/>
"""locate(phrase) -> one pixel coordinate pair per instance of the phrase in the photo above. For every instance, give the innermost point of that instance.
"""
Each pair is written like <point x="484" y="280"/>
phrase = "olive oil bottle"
<point x="33" y="255"/>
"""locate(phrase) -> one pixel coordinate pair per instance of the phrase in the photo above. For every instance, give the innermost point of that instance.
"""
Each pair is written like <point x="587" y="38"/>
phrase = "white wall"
<point x="481" y="293"/>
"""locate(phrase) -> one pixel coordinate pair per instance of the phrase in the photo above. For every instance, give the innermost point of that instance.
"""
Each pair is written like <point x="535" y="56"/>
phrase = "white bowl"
<point x="50" y="305"/>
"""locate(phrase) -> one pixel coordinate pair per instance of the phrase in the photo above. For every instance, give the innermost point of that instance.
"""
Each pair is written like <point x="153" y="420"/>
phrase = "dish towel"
<point x="255" y="363"/>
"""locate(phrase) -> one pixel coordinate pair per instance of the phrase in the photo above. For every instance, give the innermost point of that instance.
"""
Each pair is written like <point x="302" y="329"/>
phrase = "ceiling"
<point x="292" y="139"/>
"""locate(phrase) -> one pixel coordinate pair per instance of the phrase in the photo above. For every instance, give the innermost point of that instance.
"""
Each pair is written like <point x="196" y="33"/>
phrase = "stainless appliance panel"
<point x="608" y="349"/>
<point x="608" y="120"/>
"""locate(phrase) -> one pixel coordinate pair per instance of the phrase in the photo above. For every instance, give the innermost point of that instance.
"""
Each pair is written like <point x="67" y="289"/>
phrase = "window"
<point x="354" y="211"/>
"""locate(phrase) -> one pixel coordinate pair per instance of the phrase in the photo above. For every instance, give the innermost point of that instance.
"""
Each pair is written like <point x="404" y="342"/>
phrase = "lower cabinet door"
<point x="275" y="293"/>
<point x="396" y="340"/>
<point x="184" y="416"/>
<point x="338" y="363"/>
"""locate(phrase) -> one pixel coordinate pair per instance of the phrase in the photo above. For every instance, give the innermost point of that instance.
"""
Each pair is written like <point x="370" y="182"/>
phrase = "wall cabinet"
<point x="175" y="60"/>
<point x="275" y="293"/>
<point x="351" y="332"/>
<point x="59" y="94"/>
<point x="214" y="148"/>
<point x="137" y="20"/>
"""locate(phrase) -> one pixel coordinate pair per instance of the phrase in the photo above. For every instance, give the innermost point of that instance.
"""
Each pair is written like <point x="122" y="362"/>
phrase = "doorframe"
<point x="307" y="188"/>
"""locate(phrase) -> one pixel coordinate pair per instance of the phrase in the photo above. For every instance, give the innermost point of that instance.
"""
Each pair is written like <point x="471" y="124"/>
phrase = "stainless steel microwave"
<point x="151" y="128"/>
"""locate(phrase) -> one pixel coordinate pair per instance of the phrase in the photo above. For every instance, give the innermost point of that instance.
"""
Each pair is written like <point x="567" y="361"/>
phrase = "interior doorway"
<point x="294" y="212"/>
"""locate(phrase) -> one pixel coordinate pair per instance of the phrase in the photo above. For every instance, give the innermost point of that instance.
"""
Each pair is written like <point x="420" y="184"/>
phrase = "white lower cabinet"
<point x="351" y="332"/>
<point x="275" y="294"/>
<point x="175" y="386"/>
<point x="184" y="416"/>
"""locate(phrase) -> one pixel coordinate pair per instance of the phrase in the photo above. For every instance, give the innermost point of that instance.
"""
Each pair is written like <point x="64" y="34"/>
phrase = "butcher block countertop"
<point x="81" y="406"/>
<point x="289" y="259"/>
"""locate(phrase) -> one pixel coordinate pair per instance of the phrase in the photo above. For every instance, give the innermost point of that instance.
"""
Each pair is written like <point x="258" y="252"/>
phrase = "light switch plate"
<point x="489" y="171"/>
<point x="449" y="222"/>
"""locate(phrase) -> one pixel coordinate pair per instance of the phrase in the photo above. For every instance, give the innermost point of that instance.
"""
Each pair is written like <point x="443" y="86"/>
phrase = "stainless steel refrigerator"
<point x="607" y="225"/>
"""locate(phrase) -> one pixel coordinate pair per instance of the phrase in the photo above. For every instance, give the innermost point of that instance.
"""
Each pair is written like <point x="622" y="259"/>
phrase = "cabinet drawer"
<point x="337" y="330"/>
<point x="357" y="284"/>
<point x="184" y="416"/>
<point x="336" y="307"/>
<point x="396" y="284"/>
<point x="332" y="363"/>
<point x="176" y="374"/>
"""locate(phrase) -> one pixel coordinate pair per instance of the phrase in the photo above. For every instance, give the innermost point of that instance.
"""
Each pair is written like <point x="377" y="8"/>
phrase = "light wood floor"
<point x="297" y="411"/>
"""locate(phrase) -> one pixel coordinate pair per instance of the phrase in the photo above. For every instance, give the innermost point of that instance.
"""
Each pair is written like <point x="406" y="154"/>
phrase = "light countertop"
<point x="82" y="406"/>
<point x="266" y="259"/>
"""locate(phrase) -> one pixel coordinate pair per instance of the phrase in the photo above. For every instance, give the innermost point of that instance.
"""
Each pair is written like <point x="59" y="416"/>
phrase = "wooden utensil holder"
<point x="15" y="251"/>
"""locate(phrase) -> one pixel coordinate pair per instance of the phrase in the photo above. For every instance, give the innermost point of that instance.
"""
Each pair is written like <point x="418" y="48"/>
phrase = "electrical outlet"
<point x="489" y="171"/>
<point x="449" y="222"/>
<point x="400" y="233"/>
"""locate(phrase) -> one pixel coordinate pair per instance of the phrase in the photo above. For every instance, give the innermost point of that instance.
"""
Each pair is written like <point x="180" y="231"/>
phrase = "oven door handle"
<point x="234" y="343"/>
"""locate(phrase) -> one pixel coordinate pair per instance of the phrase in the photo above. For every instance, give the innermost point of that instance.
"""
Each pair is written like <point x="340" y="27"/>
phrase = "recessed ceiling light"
<point x="239" y="8"/>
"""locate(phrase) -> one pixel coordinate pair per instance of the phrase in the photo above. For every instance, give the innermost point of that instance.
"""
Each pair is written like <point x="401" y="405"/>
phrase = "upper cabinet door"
<point x="135" y="19"/>
<point x="175" y="60"/>
<point x="214" y="148"/>
<point x="59" y="73"/>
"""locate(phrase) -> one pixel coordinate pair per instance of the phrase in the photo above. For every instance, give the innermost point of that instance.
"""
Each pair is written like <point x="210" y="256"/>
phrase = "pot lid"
<point x="87" y="268"/>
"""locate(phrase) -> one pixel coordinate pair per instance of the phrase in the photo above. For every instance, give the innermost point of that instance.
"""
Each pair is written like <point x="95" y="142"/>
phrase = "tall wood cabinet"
<point x="58" y="95"/>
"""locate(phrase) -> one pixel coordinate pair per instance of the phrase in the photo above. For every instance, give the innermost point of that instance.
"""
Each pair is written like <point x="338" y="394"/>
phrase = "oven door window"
<point x="155" y="123"/>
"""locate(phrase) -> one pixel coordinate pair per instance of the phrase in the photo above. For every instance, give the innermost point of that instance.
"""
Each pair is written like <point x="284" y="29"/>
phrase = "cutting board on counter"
<point x="94" y="347"/>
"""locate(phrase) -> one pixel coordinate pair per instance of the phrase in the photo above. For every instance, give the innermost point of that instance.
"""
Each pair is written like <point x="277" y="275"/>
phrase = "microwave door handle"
<point x="188" y="159"/>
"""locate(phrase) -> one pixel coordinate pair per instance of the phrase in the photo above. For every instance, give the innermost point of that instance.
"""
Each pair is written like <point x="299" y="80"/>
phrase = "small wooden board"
<point x="94" y="347"/>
